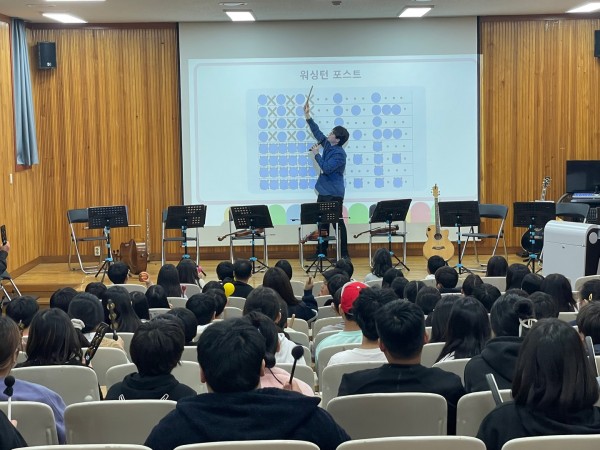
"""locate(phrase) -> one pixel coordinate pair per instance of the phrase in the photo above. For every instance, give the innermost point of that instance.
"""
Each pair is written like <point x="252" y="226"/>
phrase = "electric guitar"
<point x="533" y="243"/>
<point x="438" y="242"/>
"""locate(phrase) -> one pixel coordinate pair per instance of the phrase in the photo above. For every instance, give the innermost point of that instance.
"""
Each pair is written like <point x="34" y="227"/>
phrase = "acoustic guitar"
<point x="438" y="242"/>
<point x="533" y="243"/>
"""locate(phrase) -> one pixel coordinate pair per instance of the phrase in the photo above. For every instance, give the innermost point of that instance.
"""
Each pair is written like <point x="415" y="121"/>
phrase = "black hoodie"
<point x="510" y="421"/>
<point x="156" y="387"/>
<point x="240" y="416"/>
<point x="498" y="357"/>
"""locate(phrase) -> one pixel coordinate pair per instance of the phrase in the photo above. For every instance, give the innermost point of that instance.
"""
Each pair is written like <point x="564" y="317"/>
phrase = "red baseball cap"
<point x="349" y="294"/>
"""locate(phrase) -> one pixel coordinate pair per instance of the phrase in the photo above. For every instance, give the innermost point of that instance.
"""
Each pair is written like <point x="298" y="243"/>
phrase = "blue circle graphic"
<point x="377" y="121"/>
<point x="356" y="110"/>
<point x="262" y="99"/>
<point x="357" y="134"/>
<point x="281" y="123"/>
<point x="387" y="133"/>
<point x="397" y="133"/>
<point x="337" y="98"/>
<point x="376" y="110"/>
<point x="300" y="99"/>
<point x="262" y="124"/>
<point x="338" y="110"/>
<point x="263" y="137"/>
<point x="281" y="136"/>
<point x="376" y="97"/>
<point x="280" y="99"/>
<point x="387" y="109"/>
<point x="262" y="112"/>
<point x="396" y="109"/>
<point x="338" y="122"/>
<point x="376" y="134"/>
<point x="281" y="110"/>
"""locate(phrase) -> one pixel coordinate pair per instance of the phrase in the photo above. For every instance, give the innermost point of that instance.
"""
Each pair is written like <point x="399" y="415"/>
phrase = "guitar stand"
<point x="252" y="218"/>
<point x="459" y="214"/>
<point x="185" y="217"/>
<point x="321" y="213"/>
<point x="534" y="216"/>
<point x="107" y="217"/>
<point x="392" y="211"/>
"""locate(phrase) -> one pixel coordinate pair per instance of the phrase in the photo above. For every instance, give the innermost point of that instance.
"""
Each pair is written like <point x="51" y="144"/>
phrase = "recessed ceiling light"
<point x="415" y="11"/>
<point x="588" y="7"/>
<point x="64" y="18"/>
<point x="233" y="4"/>
<point x="241" y="16"/>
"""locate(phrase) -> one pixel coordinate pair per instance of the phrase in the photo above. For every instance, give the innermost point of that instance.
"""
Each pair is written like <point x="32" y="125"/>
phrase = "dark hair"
<point x="87" y="308"/>
<point x="264" y="300"/>
<point x="203" y="306"/>
<point x="341" y="133"/>
<point x="365" y="307"/>
<point x="139" y="303"/>
<point x="157" y="346"/>
<point x="157" y="297"/>
<point x="219" y="298"/>
<point x="401" y="328"/>
<point x="275" y="278"/>
<point x="336" y="282"/>
<point x="497" y="266"/>
<point x="331" y="273"/>
<point x="22" y="309"/>
<point x="52" y="339"/>
<point x="389" y="276"/>
<point x="439" y="317"/>
<point x="95" y="288"/>
<point x="447" y="277"/>
<point x="213" y="285"/>
<point x="245" y="349"/>
<point x="346" y="265"/>
<point x="285" y="265"/>
<point x="590" y="288"/>
<point x="168" y="278"/>
<point x="188" y="272"/>
<point x="507" y="312"/>
<point x="126" y="321"/>
<point x="117" y="272"/>
<point x="398" y="286"/>
<point x="559" y="287"/>
<point x="11" y="342"/>
<point x="544" y="305"/>
<point x="61" y="298"/>
<point x="470" y="282"/>
<point x="588" y="321"/>
<point x="519" y="292"/>
<point x="268" y="330"/>
<point x="427" y="299"/>
<point x="434" y="263"/>
<point x="532" y="282"/>
<point x="468" y="329"/>
<point x="224" y="270"/>
<point x="382" y="262"/>
<point x="411" y="290"/>
<point x="552" y="371"/>
<point x="242" y="269"/>
<point x="487" y="294"/>
<point x="515" y="274"/>
<point x="190" y="324"/>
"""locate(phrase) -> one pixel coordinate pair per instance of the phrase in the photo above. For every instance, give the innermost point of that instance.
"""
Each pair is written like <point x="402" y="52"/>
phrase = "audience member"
<point x="389" y="276"/>
<point x="168" y="278"/>
<point x="340" y="278"/>
<point x="285" y="265"/>
<point x="588" y="324"/>
<point x="242" y="270"/>
<point x="398" y="286"/>
<point x="544" y="305"/>
<point x="440" y="316"/>
<point x="190" y="324"/>
<point x="382" y="262"/>
<point x="559" y="287"/>
<point x="305" y="309"/>
<point x="346" y="265"/>
<point x="514" y="275"/>
<point x="11" y="438"/>
<point x="96" y="288"/>
<point x="446" y="279"/>
<point x="126" y="321"/>
<point x="427" y="299"/>
<point x="532" y="282"/>
<point x="61" y="298"/>
<point x="411" y="290"/>
<point x="22" y="310"/>
<point x="204" y="308"/>
<point x="140" y="306"/>
<point x="487" y="294"/>
<point x="87" y="308"/>
<point x="118" y="273"/>
<point x="157" y="297"/>
<point x="469" y="284"/>
<point x="433" y="264"/>
<point x="497" y="266"/>
<point x="590" y="291"/>
<point x="225" y="271"/>
<point x="220" y="299"/>
<point x="190" y="273"/>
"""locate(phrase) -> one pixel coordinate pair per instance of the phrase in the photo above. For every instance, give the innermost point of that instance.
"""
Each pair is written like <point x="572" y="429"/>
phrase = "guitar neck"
<point x="437" y="216"/>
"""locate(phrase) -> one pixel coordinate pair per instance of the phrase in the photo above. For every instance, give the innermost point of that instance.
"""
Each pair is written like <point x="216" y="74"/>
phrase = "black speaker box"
<point x="46" y="55"/>
<point x="597" y="43"/>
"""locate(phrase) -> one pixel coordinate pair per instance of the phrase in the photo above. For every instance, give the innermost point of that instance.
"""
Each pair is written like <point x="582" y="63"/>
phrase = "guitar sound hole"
<point x="438" y="236"/>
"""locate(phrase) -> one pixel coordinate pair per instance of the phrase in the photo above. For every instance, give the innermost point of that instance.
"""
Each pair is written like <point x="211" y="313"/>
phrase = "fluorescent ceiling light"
<point x="588" y="7"/>
<point x="415" y="11"/>
<point x="241" y="16"/>
<point x="81" y="1"/>
<point x="64" y="18"/>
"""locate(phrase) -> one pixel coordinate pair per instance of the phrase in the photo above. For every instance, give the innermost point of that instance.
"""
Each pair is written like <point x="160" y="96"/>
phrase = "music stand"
<point x="184" y="217"/>
<point x="459" y="214"/>
<point x="534" y="216"/>
<point x="107" y="217"/>
<point x="389" y="211"/>
<point x="251" y="218"/>
<point x="321" y="213"/>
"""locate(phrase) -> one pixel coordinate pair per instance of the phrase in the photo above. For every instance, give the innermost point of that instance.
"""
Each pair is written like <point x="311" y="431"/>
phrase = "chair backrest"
<point x="322" y="335"/>
<point x="327" y="311"/>
<point x="499" y="282"/>
<point x="236" y="302"/>
<point x="326" y="353"/>
<point x="157" y="312"/>
<point x="297" y="287"/>
<point x="429" y="282"/>
<point x="35" y="421"/>
<point x="186" y="372"/>
<point x="376" y="283"/>
<point x="104" y="359"/>
<point x="251" y="445"/>
<point x="472" y="409"/>
<point x="368" y="415"/>
<point x="579" y="282"/>
<point x="493" y="211"/>
<point x="190" y="353"/>
<point x="74" y="384"/>
<point x="78" y="215"/>
<point x="177" y="302"/>
<point x="317" y="287"/>
<point x="415" y="442"/>
<point x="304" y="373"/>
<point x="322" y="299"/>
<point x="87" y="447"/>
<point x="132" y="287"/>
<point x="428" y="331"/>
<point x="571" y="441"/>
<point x="230" y="312"/>
<point x="456" y="366"/>
<point x="127" y="337"/>
<point x="331" y="378"/>
<point x="114" y="421"/>
<point x="318" y="325"/>
<point x="577" y="211"/>
<point x="191" y="289"/>
<point x="567" y="316"/>
<point x="298" y="337"/>
<point x="300" y="325"/>
<point x="430" y="353"/>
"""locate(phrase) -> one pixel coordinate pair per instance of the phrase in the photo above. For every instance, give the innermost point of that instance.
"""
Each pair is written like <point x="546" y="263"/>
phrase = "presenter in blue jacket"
<point x="330" y="184"/>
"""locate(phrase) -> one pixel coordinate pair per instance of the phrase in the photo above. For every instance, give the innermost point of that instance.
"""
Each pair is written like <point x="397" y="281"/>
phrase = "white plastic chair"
<point x="297" y="287"/>
<point x="36" y="421"/>
<point x="327" y="311"/>
<point x="304" y="373"/>
<point x="190" y="353"/>
<point x="579" y="282"/>
<point x="368" y="416"/>
<point x="114" y="421"/>
<point x="251" y="445"/>
<point x="374" y="283"/>
<point x="472" y="409"/>
<point x="571" y="442"/>
<point x="230" y="312"/>
<point x="456" y="366"/>
<point x="331" y="378"/>
<point x="191" y="289"/>
<point x="158" y="311"/>
<point x="322" y="299"/>
<point x="320" y="323"/>
<point x="499" y="282"/>
<point x="326" y="353"/>
<point x="104" y="359"/>
<point x="236" y="302"/>
<point x="430" y="353"/>
<point x="127" y="337"/>
<point x="88" y="447"/>
<point x="297" y="324"/>
<point x="415" y="442"/>
<point x="567" y="316"/>
<point x="132" y="287"/>
<point x="298" y="337"/>
<point x="177" y="302"/>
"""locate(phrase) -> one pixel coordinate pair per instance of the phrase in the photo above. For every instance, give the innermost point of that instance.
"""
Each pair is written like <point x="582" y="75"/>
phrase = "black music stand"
<point x="184" y="217"/>
<point x="534" y="216"/>
<point x="321" y="213"/>
<point x="389" y="211"/>
<point x="251" y="218"/>
<point x="459" y="214"/>
<point x="107" y="217"/>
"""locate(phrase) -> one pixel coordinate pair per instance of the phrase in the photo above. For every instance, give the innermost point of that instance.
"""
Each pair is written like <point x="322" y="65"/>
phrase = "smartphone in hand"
<point x="3" y="234"/>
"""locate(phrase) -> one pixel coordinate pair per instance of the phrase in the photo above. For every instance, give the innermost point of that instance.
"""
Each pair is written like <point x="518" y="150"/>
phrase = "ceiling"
<point x="123" y="11"/>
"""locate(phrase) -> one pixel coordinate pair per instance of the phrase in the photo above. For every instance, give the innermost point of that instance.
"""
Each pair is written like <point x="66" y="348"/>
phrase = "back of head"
<point x="230" y="354"/>
<point x="168" y="278"/>
<point x="264" y="300"/>
<point x="588" y="321"/>
<point x="190" y="324"/>
<point x="346" y="265"/>
<point x="96" y="288"/>
<point x="219" y="298"/>
<point x="349" y="293"/>
<point x="156" y="347"/>
<point x="508" y="313"/>
<point x="11" y="342"/>
<point x="157" y="297"/>
<point x="559" y="287"/>
<point x="470" y="282"/>
<point x="341" y="133"/>
<point x="188" y="271"/>
<point x="268" y="330"/>
<point x="515" y="274"/>
<point x="497" y="266"/>
<point x="225" y="270"/>
<point x="61" y="298"/>
<point x="365" y="308"/>
<point x="434" y="263"/>
<point x="139" y="303"/>
<point x="552" y="371"/>
<point x="446" y="277"/>
<point x="126" y="319"/>
<point x="336" y="282"/>
<point x="242" y="269"/>
<point x="389" y="276"/>
<point x="285" y="265"/>
<point x="213" y="285"/>
<point x="468" y="329"/>
<point x="401" y="329"/>
<point x="87" y="308"/>
<point x="440" y="316"/>
<point x="382" y="262"/>
<point x="52" y="338"/>
<point x="487" y="294"/>
<point x="22" y="309"/>
<point x="276" y="279"/>
<point x="531" y="282"/>
<point x="427" y="298"/>
<point x="590" y="290"/>
<point x="411" y="290"/>
<point x="203" y="306"/>
<point x="117" y="273"/>
<point x="544" y="305"/>
<point x="398" y="285"/>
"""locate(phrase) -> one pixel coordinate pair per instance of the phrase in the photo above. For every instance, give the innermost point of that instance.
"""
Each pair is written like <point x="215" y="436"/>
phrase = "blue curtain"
<point x="27" y="151"/>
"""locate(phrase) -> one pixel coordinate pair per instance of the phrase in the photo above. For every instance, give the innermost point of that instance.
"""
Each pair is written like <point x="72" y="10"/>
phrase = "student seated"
<point x="446" y="279"/>
<point x="242" y="270"/>
<point x="21" y="310"/>
<point x="305" y="309"/>
<point x="204" y="308"/>
<point x="88" y="310"/>
<point x="588" y="324"/>
<point x="382" y="262"/>
<point x="118" y="272"/>
<point x="433" y="264"/>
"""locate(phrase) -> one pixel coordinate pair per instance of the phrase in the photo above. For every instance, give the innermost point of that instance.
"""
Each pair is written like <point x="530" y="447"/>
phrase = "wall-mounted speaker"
<point x="46" y="55"/>
<point x="597" y="43"/>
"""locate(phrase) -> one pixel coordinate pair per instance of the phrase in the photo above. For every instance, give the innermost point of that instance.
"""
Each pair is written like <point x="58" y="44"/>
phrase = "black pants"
<point x="343" y="235"/>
